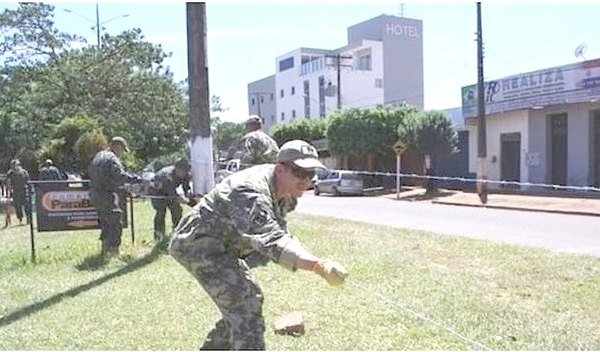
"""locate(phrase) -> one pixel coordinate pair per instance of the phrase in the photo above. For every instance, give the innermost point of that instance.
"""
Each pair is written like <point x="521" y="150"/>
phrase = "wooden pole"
<point x="199" y="112"/>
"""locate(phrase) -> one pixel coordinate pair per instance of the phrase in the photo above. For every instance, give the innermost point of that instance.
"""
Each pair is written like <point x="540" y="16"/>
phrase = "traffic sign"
<point x="399" y="147"/>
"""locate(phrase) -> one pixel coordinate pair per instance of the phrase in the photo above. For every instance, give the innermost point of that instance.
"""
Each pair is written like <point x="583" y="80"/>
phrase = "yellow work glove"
<point x="333" y="272"/>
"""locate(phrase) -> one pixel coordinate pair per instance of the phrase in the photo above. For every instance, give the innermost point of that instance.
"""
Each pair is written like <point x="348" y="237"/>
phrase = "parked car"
<point x="229" y="167"/>
<point x="339" y="182"/>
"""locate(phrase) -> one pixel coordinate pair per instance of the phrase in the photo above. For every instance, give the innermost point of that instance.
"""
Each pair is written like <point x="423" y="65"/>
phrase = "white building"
<point x="541" y="127"/>
<point x="381" y="64"/>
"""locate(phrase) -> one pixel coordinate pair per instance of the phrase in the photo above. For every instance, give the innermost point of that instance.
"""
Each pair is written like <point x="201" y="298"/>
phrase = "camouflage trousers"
<point x="110" y="216"/>
<point x="161" y="206"/>
<point x="228" y="281"/>
<point x="20" y="202"/>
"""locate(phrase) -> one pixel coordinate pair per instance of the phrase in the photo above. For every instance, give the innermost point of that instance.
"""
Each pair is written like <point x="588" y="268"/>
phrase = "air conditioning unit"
<point x="331" y="91"/>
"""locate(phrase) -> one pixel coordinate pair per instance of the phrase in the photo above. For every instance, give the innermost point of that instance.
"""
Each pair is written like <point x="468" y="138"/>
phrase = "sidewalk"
<point x="552" y="204"/>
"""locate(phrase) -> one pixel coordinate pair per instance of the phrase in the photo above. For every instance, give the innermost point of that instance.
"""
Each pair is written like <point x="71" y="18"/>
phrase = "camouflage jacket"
<point x="241" y="214"/>
<point x="257" y="148"/>
<point x="18" y="180"/>
<point x="107" y="174"/>
<point x="50" y="173"/>
<point x="166" y="182"/>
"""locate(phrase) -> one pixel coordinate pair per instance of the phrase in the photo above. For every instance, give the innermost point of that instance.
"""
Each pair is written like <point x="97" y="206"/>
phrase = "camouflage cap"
<point x="300" y="153"/>
<point x="120" y="140"/>
<point x="254" y="120"/>
<point x="183" y="164"/>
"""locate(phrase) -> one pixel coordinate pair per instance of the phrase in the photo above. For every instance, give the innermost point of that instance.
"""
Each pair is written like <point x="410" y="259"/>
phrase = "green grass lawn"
<point x="406" y="290"/>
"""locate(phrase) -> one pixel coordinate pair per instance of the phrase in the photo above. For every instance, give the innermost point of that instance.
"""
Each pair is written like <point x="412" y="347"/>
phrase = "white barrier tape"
<point x="462" y="179"/>
<point x="156" y="197"/>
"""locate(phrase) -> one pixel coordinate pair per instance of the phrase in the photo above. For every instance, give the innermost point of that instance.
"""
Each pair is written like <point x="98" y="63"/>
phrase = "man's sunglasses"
<point x="301" y="173"/>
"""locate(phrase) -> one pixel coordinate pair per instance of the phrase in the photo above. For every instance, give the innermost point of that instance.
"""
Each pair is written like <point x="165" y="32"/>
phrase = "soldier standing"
<point x="17" y="178"/>
<point x="107" y="179"/>
<point x="49" y="171"/>
<point x="164" y="190"/>
<point x="242" y="214"/>
<point x="257" y="147"/>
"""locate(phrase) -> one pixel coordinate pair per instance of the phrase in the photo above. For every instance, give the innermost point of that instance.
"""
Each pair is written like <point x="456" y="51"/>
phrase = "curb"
<point x="566" y="212"/>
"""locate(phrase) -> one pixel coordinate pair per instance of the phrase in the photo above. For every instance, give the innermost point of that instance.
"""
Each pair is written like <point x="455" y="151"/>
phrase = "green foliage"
<point x="429" y="132"/>
<point x="61" y="147"/>
<point x="122" y="84"/>
<point x="360" y="131"/>
<point x="305" y="129"/>
<point x="86" y="147"/>
<point x="227" y="135"/>
<point x="30" y="35"/>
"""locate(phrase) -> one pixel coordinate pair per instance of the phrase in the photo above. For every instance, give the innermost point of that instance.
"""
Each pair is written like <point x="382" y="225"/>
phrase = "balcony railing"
<point x="312" y="66"/>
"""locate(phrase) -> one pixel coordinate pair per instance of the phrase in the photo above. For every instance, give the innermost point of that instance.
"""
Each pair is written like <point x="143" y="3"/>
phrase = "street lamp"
<point x="98" y="25"/>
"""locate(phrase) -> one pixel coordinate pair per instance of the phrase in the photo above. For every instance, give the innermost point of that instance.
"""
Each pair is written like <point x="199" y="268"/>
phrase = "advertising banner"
<point x="567" y="84"/>
<point x="62" y="206"/>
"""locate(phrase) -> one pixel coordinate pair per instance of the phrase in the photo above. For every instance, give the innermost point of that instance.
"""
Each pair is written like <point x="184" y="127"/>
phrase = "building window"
<point x="272" y="118"/>
<point x="252" y="101"/>
<point x="281" y="93"/>
<point x="283" y="116"/>
<point x="378" y="83"/>
<point x="363" y="60"/>
<point x="286" y="64"/>
<point x="293" y="90"/>
<point x="272" y="96"/>
<point x="262" y="99"/>
<point x="293" y="114"/>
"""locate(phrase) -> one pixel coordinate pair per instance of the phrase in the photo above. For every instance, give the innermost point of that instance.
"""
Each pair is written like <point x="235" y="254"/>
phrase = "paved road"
<point x="567" y="233"/>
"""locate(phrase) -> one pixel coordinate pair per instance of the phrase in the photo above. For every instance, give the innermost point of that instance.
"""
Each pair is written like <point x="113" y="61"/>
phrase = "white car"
<point x="339" y="182"/>
<point x="229" y="167"/>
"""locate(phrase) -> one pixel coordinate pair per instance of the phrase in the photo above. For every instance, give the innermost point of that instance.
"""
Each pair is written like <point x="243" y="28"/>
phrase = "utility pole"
<point x="481" y="135"/>
<point x="199" y="115"/>
<point x="98" y="26"/>
<point x="338" y="63"/>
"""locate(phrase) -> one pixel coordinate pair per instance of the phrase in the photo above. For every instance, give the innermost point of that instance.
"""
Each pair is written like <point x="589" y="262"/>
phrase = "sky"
<point x="244" y="38"/>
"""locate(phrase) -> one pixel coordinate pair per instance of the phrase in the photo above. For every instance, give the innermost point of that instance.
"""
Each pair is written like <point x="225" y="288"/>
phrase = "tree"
<point x="308" y="130"/>
<point x="366" y="132"/>
<point x="430" y="133"/>
<point x="86" y="147"/>
<point x="122" y="84"/>
<point x="227" y="136"/>
<point x="61" y="147"/>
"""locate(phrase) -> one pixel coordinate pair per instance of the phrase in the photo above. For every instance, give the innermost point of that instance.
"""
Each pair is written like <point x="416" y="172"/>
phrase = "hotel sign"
<point x="402" y="30"/>
<point x="573" y="83"/>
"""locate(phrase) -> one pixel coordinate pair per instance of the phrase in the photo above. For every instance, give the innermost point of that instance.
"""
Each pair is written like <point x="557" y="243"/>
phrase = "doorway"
<point x="558" y="151"/>
<point x="510" y="158"/>
<point x="596" y="151"/>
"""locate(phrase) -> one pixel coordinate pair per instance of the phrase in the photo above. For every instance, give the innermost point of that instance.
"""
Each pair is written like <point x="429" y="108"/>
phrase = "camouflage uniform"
<point x="50" y="173"/>
<point x="257" y="148"/>
<point x="239" y="216"/>
<point x="107" y="178"/>
<point x="167" y="183"/>
<point x="19" y="177"/>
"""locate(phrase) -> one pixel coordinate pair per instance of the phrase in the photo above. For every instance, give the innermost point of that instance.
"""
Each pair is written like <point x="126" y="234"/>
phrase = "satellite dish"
<point x="580" y="50"/>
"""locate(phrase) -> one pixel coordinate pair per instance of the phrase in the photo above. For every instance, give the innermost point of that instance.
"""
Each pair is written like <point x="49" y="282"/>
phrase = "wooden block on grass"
<point x="290" y="324"/>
